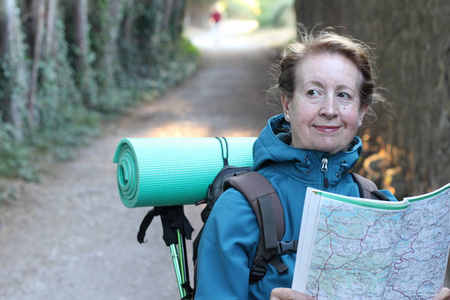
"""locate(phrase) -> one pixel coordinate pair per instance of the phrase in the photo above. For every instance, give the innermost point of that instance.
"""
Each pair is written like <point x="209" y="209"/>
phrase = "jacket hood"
<point x="272" y="148"/>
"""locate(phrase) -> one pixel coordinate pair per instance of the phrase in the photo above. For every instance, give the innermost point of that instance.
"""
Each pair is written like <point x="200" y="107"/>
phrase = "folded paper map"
<point x="353" y="248"/>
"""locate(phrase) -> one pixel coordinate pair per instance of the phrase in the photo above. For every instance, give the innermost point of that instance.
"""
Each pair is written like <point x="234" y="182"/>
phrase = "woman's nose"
<point x="328" y="108"/>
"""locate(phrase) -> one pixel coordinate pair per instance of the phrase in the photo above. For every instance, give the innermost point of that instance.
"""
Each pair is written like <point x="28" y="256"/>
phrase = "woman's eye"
<point x="343" y="95"/>
<point x="312" y="93"/>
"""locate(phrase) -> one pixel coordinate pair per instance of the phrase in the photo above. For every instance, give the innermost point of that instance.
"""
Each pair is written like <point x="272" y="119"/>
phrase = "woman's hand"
<point x="443" y="294"/>
<point x="290" y="294"/>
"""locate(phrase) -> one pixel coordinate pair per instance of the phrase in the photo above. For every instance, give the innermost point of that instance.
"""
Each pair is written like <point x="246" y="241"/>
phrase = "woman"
<point x="327" y="86"/>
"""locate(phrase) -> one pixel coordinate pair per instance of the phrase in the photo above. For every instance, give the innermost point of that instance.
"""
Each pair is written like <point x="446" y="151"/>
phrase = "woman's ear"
<point x="285" y="103"/>
<point x="362" y="112"/>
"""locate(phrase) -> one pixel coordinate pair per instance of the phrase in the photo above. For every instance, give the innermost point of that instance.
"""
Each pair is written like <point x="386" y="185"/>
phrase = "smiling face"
<point x="325" y="110"/>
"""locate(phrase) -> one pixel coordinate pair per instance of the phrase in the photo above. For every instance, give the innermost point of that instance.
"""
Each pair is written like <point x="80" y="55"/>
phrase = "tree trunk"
<point x="38" y="9"/>
<point x="49" y="47"/>
<point x="128" y="22"/>
<point x="81" y="31"/>
<point x="178" y="18"/>
<point x="167" y="14"/>
<point x="113" y="28"/>
<point x="107" y="31"/>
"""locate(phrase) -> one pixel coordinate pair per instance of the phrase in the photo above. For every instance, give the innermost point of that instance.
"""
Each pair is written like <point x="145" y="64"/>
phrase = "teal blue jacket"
<point x="231" y="233"/>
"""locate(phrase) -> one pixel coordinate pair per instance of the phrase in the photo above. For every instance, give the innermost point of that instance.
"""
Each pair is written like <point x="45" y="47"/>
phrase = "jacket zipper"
<point x="324" y="169"/>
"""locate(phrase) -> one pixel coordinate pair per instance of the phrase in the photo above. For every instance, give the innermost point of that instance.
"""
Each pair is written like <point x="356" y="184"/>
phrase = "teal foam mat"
<point x="173" y="171"/>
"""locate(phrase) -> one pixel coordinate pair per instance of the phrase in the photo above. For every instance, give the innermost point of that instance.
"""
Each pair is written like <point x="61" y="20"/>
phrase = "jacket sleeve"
<point x="228" y="242"/>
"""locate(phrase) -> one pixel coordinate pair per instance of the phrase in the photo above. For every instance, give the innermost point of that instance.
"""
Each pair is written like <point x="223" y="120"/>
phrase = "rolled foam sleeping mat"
<point x="174" y="171"/>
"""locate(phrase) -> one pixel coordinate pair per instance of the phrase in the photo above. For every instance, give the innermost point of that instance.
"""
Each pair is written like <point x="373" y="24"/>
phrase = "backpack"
<point x="266" y="205"/>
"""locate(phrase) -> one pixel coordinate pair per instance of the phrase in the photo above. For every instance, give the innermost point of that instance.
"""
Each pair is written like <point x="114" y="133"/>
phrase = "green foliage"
<point x="16" y="158"/>
<point x="140" y="46"/>
<point x="276" y="13"/>
<point x="64" y="121"/>
<point x="176" y="64"/>
<point x="60" y="143"/>
<point x="105" y="18"/>
<point x="268" y="13"/>
<point x="238" y="9"/>
<point x="57" y="92"/>
<point x="14" y="76"/>
<point x="152" y="57"/>
<point x="79" y="61"/>
<point x="149" y="57"/>
<point x="13" y="92"/>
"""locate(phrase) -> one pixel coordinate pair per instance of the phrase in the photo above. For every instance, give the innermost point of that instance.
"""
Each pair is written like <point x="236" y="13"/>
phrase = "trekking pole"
<point x="178" y="252"/>
<point x="177" y="268"/>
<point x="181" y="256"/>
<point x="176" y="228"/>
<point x="184" y="266"/>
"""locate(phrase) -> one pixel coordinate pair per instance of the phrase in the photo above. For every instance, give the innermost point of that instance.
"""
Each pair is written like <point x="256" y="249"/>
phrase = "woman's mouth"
<point x="327" y="129"/>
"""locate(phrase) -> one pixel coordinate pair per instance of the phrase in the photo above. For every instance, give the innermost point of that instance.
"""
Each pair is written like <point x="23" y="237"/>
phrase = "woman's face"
<point x="325" y="111"/>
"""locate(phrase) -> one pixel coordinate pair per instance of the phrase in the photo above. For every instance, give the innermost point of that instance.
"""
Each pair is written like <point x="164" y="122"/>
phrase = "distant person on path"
<point x="326" y="84"/>
<point x="215" y="18"/>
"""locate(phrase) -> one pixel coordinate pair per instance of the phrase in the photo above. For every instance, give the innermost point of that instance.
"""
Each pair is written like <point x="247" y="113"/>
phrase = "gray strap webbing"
<point x="365" y="186"/>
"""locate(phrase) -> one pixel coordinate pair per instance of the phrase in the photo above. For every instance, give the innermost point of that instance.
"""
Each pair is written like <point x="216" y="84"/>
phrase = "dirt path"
<point x="70" y="237"/>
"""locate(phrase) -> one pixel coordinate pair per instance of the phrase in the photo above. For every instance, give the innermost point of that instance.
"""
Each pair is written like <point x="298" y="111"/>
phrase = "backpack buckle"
<point x="286" y="247"/>
<point x="257" y="272"/>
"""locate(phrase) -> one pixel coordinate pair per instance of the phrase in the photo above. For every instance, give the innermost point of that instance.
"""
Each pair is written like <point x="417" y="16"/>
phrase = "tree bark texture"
<point x="168" y="7"/>
<point x="81" y="37"/>
<point x="50" y="19"/>
<point x="81" y="55"/>
<point x="129" y="15"/>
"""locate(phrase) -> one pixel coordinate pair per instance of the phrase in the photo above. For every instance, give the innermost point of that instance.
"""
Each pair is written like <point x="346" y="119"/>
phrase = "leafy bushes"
<point x="64" y="71"/>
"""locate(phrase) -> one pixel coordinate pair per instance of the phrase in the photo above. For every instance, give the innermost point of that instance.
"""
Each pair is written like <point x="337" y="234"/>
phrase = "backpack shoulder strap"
<point x="264" y="201"/>
<point x="367" y="188"/>
<point x="365" y="185"/>
<point x="267" y="207"/>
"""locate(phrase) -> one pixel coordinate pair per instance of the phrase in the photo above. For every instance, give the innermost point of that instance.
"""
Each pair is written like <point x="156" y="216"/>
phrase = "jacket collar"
<point x="272" y="148"/>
